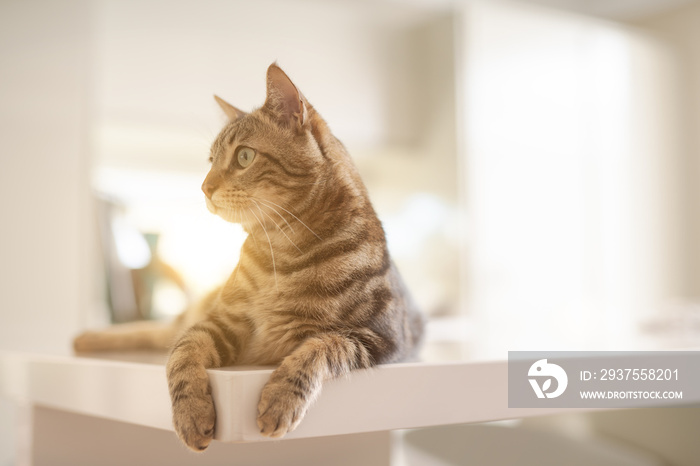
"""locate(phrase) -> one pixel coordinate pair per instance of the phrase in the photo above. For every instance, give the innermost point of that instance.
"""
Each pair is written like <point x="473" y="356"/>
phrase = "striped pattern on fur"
<point x="315" y="290"/>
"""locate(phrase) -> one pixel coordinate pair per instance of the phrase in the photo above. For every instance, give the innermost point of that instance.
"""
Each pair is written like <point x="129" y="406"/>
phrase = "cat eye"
<point x="245" y="156"/>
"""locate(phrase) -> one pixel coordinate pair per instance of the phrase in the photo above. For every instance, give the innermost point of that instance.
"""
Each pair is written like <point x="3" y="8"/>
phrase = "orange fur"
<point x="315" y="290"/>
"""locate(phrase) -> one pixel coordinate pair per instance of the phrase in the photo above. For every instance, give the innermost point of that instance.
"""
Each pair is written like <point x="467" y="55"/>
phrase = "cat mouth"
<point x="231" y="212"/>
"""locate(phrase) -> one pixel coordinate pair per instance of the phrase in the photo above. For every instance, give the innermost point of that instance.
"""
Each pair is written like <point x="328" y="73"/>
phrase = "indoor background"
<point x="536" y="165"/>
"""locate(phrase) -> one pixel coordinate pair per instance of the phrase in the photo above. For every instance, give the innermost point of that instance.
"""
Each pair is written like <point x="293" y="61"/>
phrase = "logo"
<point x="547" y="371"/>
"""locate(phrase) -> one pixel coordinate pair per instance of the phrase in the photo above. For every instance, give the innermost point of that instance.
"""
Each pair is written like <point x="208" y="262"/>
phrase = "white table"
<point x="115" y="409"/>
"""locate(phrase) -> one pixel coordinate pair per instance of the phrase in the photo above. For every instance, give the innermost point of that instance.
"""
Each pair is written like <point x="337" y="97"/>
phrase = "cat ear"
<point x="284" y="100"/>
<point x="231" y="112"/>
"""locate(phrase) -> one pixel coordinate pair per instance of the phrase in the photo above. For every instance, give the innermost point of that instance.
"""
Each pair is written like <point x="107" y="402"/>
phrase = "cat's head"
<point x="268" y="156"/>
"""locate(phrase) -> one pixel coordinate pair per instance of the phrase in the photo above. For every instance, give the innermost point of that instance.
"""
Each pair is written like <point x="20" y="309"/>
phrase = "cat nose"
<point x="209" y="187"/>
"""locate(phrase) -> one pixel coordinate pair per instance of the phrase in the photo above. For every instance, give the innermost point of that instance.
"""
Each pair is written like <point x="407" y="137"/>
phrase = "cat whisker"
<point x="280" y="216"/>
<point x="277" y="225"/>
<point x="274" y="267"/>
<point x="239" y="214"/>
<point x="231" y="213"/>
<point x="255" y="241"/>
<point x="297" y="218"/>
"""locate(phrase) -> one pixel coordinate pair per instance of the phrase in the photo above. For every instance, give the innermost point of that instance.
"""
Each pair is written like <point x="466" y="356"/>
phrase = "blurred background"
<point x="536" y="164"/>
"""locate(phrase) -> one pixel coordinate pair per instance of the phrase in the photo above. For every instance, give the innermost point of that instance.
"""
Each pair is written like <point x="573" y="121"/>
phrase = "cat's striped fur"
<point x="315" y="290"/>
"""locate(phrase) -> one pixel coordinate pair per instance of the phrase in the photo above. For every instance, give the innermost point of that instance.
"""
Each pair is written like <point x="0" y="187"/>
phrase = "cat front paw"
<point x="194" y="419"/>
<point x="88" y="341"/>
<point x="280" y="410"/>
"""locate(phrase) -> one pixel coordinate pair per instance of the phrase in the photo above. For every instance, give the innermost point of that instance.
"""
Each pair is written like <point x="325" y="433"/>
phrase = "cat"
<point x="315" y="291"/>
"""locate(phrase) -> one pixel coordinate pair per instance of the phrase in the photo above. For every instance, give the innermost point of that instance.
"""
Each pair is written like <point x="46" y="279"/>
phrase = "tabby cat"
<point x="314" y="292"/>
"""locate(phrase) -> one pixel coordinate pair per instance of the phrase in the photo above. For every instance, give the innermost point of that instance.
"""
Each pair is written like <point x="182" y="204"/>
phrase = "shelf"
<point x="132" y="388"/>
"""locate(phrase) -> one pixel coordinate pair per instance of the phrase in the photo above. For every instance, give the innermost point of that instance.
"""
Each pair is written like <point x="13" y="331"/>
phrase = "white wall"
<point x="570" y="173"/>
<point x="678" y="32"/>
<point x="380" y="73"/>
<point x="159" y="62"/>
<point x="43" y="179"/>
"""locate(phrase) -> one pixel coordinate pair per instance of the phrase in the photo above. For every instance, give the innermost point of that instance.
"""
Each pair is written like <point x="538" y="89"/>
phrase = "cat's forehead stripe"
<point x="229" y="156"/>
<point x="231" y="136"/>
<point x="225" y="142"/>
<point x="237" y="132"/>
<point x="240" y="132"/>
<point x="228" y="137"/>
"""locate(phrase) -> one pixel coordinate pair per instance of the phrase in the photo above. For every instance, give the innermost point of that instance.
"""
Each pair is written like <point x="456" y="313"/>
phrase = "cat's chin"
<point x="227" y="214"/>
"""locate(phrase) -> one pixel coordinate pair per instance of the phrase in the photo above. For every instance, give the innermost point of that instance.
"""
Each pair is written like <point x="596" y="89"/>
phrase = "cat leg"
<point x="128" y="336"/>
<point x="294" y="385"/>
<point x="214" y="342"/>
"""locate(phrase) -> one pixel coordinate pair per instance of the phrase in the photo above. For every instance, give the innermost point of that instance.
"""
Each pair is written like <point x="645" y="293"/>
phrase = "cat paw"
<point x="280" y="410"/>
<point x="87" y="341"/>
<point x="194" y="419"/>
